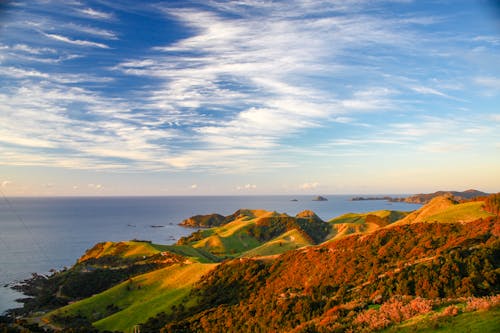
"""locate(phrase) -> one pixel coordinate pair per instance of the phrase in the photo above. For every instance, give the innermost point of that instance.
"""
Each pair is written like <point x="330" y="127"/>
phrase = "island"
<point x="319" y="198"/>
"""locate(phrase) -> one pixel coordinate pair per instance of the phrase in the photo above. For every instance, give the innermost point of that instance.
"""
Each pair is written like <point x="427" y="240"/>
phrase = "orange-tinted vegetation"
<point x="360" y="282"/>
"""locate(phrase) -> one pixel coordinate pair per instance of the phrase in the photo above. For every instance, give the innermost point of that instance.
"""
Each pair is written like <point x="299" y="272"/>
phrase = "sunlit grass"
<point x="138" y="298"/>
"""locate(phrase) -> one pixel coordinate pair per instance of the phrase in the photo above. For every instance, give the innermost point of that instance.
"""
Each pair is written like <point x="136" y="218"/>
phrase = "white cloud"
<point x="494" y="40"/>
<point x="193" y="186"/>
<point x="309" y="186"/>
<point x="246" y="187"/>
<point x="442" y="147"/>
<point x="364" y="142"/>
<point x="95" y="186"/>
<point x="97" y="14"/>
<point x="22" y="73"/>
<point x="76" y="41"/>
<point x="33" y="50"/>
<point x="6" y="183"/>
<point x="266" y="57"/>
<point x="489" y="82"/>
<point x="429" y="91"/>
<point x="102" y="33"/>
<point x="231" y="97"/>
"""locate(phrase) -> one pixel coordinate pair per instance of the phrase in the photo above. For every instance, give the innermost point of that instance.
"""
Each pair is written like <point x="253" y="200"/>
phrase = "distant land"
<point x="435" y="268"/>
<point x="425" y="198"/>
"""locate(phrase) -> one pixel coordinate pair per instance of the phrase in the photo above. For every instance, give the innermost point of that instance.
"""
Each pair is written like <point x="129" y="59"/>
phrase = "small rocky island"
<point x="319" y="198"/>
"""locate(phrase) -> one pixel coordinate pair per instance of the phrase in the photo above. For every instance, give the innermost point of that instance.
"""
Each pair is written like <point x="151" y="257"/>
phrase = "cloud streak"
<point x="250" y="86"/>
<point x="96" y="14"/>
<point x="78" y="42"/>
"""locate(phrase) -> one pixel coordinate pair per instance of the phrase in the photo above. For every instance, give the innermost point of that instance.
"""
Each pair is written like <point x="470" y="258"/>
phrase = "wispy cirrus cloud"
<point x="33" y="50"/>
<point x="490" y="84"/>
<point x="254" y="78"/>
<point x="96" y="14"/>
<point x="78" y="42"/>
<point x="249" y="85"/>
<point x="97" y="32"/>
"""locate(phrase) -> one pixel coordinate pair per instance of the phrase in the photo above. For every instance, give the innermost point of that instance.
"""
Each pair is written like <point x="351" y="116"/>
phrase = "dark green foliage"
<point x="268" y="228"/>
<point x="195" y="236"/>
<point x="205" y="221"/>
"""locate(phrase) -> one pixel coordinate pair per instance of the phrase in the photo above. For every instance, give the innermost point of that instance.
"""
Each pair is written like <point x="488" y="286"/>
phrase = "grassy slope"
<point x="139" y="298"/>
<point x="465" y="212"/>
<point x="351" y="223"/>
<point x="290" y="240"/>
<point x="231" y="239"/>
<point x="130" y="249"/>
<point x="199" y="255"/>
<point x="478" y="321"/>
<point x="444" y="210"/>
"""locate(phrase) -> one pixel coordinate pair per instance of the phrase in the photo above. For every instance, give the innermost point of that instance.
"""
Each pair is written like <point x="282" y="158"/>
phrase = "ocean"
<point x="39" y="234"/>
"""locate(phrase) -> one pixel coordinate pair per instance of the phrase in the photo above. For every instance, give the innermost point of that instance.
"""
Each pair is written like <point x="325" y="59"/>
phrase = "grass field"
<point x="351" y="223"/>
<point x="195" y="254"/>
<point x="358" y="218"/>
<point x="465" y="212"/>
<point x="290" y="240"/>
<point x="129" y="249"/>
<point x="138" y="298"/>
<point x="469" y="322"/>
<point x="444" y="210"/>
<point x="231" y="239"/>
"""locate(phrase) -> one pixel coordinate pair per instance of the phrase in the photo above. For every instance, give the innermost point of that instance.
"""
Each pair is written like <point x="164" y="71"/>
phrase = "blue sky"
<point x="248" y="97"/>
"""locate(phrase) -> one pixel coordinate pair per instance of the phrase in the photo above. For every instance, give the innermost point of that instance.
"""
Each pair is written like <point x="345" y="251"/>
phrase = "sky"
<point x="210" y="97"/>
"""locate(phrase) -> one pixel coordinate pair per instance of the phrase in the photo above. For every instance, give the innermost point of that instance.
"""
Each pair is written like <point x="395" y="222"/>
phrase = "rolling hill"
<point x="352" y="223"/>
<point x="249" y="229"/>
<point x="447" y="210"/>
<point x="258" y="271"/>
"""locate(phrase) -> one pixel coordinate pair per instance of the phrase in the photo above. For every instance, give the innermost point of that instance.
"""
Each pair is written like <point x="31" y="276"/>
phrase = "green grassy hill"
<point x="252" y="229"/>
<point x="133" y="301"/>
<point x="352" y="223"/>
<point x="230" y="239"/>
<point x="129" y="249"/>
<point x="446" y="210"/>
<point x="483" y="321"/>
<point x="290" y="240"/>
<point x="359" y="271"/>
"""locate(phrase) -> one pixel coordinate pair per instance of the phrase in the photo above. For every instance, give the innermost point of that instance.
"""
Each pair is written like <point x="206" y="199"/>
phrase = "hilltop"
<point x="457" y="195"/>
<point x="424" y="198"/>
<point x="257" y="270"/>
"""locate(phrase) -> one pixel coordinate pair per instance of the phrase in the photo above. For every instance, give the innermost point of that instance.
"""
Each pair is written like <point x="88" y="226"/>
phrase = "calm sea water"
<point x="38" y="234"/>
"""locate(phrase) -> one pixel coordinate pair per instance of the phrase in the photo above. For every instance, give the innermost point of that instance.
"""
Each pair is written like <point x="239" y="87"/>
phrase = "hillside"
<point x="129" y="302"/>
<point x="217" y="220"/>
<point x="405" y="271"/>
<point x="447" y="210"/>
<point x="102" y="284"/>
<point x="457" y="195"/>
<point x="352" y="223"/>
<point x="250" y="229"/>
<point x="268" y="271"/>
